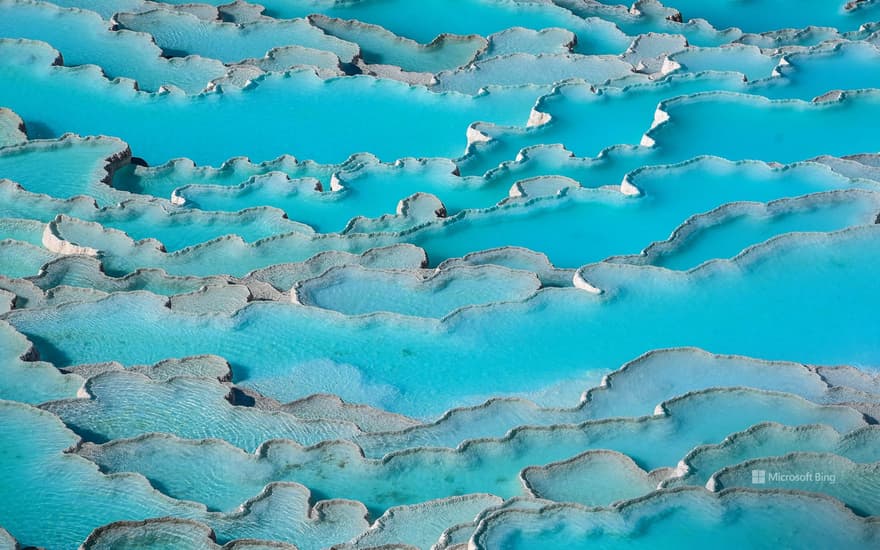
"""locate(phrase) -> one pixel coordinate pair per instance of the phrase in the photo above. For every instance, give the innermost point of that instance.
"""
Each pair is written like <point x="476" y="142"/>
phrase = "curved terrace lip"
<point x="689" y="464"/>
<point x="627" y="188"/>
<point x="394" y="458"/>
<point x="631" y="508"/>
<point x="752" y="254"/>
<point x="663" y="118"/>
<point x="474" y="133"/>
<point x="429" y="283"/>
<point x="791" y="240"/>
<point x="607" y="383"/>
<point x="313" y="511"/>
<point x="540" y="118"/>
<point x="232" y="343"/>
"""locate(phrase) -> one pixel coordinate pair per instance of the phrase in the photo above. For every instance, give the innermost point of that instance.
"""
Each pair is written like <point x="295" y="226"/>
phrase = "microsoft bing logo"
<point x="759" y="477"/>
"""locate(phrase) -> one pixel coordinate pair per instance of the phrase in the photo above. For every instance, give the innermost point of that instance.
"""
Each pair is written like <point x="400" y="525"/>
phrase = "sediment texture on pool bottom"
<point x="471" y="274"/>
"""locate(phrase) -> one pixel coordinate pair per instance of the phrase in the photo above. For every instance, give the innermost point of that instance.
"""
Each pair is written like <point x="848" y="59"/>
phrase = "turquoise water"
<point x="777" y="440"/>
<point x="483" y="466"/>
<point x="429" y="19"/>
<point x="181" y="34"/>
<point x="82" y="38"/>
<point x="454" y="273"/>
<point x="755" y="225"/>
<point x="753" y="16"/>
<point x="277" y="115"/>
<point x="378" y="46"/>
<point x="63" y="169"/>
<point x="733" y="520"/>
<point x="558" y="318"/>
<point x="851" y="483"/>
